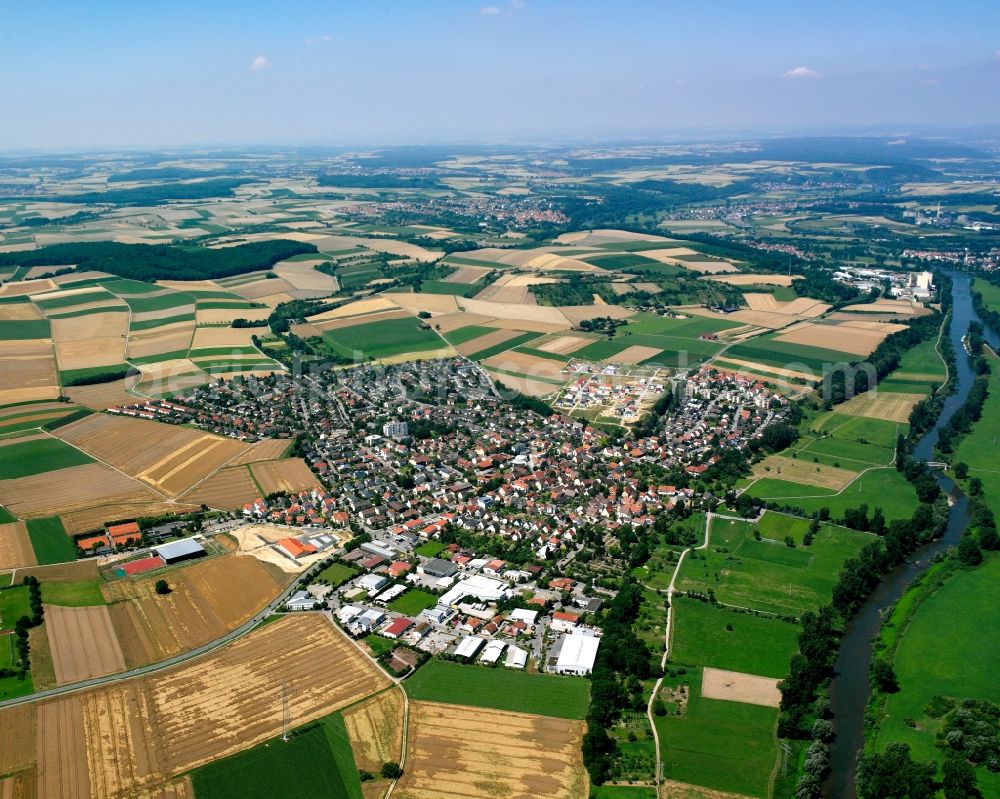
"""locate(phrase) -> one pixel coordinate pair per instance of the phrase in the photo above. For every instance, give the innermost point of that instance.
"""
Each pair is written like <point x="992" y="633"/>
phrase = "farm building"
<point x="577" y="654"/>
<point x="301" y="600"/>
<point x="397" y="628"/>
<point x="517" y="658"/>
<point x="468" y="647"/>
<point x="492" y="652"/>
<point x="483" y="588"/>
<point x="437" y="567"/>
<point x="176" y="551"/>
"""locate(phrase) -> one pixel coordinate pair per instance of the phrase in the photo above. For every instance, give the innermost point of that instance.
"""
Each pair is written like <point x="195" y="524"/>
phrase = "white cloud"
<point x="489" y="11"/>
<point x="259" y="63"/>
<point x="326" y="37"/>
<point x="516" y="4"/>
<point x="801" y="72"/>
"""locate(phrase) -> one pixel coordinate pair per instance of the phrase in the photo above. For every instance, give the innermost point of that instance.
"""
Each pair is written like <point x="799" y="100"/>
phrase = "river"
<point x="849" y="689"/>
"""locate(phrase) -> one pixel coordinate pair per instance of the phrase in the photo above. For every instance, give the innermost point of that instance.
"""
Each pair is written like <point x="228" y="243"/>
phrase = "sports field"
<point x="478" y="686"/>
<point x="767" y="574"/>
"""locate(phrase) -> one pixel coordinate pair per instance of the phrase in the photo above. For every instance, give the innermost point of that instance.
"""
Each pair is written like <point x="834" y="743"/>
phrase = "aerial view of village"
<point x="543" y="467"/>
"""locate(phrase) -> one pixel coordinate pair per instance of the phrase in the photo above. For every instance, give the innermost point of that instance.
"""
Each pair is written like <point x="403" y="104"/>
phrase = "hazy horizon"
<point x="123" y="76"/>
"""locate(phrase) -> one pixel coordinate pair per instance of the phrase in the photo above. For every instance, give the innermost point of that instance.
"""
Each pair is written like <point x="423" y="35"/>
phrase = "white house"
<point x="301" y="600"/>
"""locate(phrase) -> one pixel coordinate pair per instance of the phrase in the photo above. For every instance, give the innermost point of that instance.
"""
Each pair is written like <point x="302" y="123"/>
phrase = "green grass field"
<point x="430" y="549"/>
<point x="767" y="575"/>
<point x="160" y="302"/>
<point x="725" y="746"/>
<point x="412" y="602"/>
<point x="7" y="651"/>
<point x="784" y="354"/>
<point x="691" y="327"/>
<point x="462" y="334"/>
<point x="496" y="349"/>
<point x="12" y="687"/>
<point x="56" y="303"/>
<point x="977" y="448"/>
<point x="114" y="371"/>
<point x="336" y="574"/>
<point x="317" y="761"/>
<point x="501" y="689"/>
<point x="951" y="647"/>
<point x="383" y="339"/>
<point x="13" y="605"/>
<point x="755" y="645"/>
<point x="37" y="456"/>
<point x="73" y="593"/>
<point x="49" y="541"/>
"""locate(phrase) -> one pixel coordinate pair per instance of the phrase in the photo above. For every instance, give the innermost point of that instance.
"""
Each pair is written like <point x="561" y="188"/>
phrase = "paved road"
<point x="204" y="649"/>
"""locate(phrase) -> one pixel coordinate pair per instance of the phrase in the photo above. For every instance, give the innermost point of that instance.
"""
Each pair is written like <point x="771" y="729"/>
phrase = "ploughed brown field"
<point x="476" y="753"/>
<point x="207" y="599"/>
<point x="135" y="737"/>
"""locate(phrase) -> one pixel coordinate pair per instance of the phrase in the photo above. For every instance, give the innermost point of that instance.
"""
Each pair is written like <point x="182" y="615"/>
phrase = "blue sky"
<point x="107" y="74"/>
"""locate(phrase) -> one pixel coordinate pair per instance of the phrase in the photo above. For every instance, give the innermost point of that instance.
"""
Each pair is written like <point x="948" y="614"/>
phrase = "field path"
<point x="668" y="629"/>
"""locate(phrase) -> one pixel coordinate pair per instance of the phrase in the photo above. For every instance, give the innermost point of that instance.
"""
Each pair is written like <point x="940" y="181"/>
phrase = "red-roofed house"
<point x="399" y="567"/>
<point x="296" y="548"/>
<point x="397" y="628"/>
<point x="564" y="622"/>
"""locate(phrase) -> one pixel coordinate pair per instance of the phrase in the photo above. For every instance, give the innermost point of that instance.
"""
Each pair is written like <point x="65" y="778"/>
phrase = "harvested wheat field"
<point x="844" y="337"/>
<point x="103" y="395"/>
<point x="262" y="288"/>
<point x="902" y="307"/>
<point x="358" y="308"/>
<point x="289" y="475"/>
<point x="268" y="449"/>
<point x="564" y="345"/>
<point x="634" y="354"/>
<point x="167" y="457"/>
<point x="453" y="321"/>
<point x="468" y="274"/>
<point x="83" y="643"/>
<point x="27" y="378"/>
<point x="735" y="686"/>
<point x="208" y="599"/>
<point x="15" y="547"/>
<point x="228" y="489"/>
<point x="18" y="786"/>
<point x="508" y="294"/>
<point x="598" y="236"/>
<point x="503" y="310"/>
<point x="223" y="337"/>
<point x="10" y="311"/>
<point x="24" y="288"/>
<point x="754" y="279"/>
<point x="806" y="472"/>
<point x="885" y="405"/>
<point x="486" y="341"/>
<point x="772" y="370"/>
<point x="303" y="276"/>
<point x="375" y="728"/>
<point x="92" y="485"/>
<point x="167" y="338"/>
<point x="456" y="751"/>
<point x="525" y="385"/>
<point x="17" y="738"/>
<point x="81" y="353"/>
<point x="431" y="303"/>
<point x="529" y="365"/>
<point x="671" y="789"/>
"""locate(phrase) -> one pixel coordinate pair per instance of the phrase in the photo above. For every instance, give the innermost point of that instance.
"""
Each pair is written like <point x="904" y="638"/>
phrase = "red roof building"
<point x="397" y="628"/>
<point x="296" y="548"/>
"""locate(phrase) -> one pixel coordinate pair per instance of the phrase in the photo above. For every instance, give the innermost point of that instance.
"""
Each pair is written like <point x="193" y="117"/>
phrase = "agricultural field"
<point x="952" y="626"/>
<point x="207" y="599"/>
<point x="83" y="643"/>
<point x="139" y="734"/>
<point x="455" y="750"/>
<point x="384" y="339"/>
<point x="38" y="455"/>
<point x="289" y="475"/>
<point x="767" y="574"/>
<point x="15" y="546"/>
<point x="375" y="729"/>
<point x="544" y="694"/>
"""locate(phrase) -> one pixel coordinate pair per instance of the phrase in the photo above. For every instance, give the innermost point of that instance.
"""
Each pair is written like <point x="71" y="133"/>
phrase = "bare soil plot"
<point x="77" y="488"/>
<point x="510" y="294"/>
<point x="375" y="728"/>
<point x="303" y="276"/>
<point x="254" y="540"/>
<point x="24" y="288"/>
<point x="527" y="313"/>
<point x="468" y="274"/>
<point x="228" y="489"/>
<point x="289" y="475"/>
<point x="564" y="345"/>
<point x="484" y="754"/>
<point x="754" y="279"/>
<point x="27" y="378"/>
<point x="262" y="288"/>
<point x="168" y="457"/>
<point x="15" y="546"/>
<point x="794" y="470"/>
<point x="634" y="354"/>
<point x="207" y="599"/>
<point x="577" y="313"/>
<point x="881" y="405"/>
<point x="83" y="643"/>
<point x="738" y="687"/>
<point x="223" y="337"/>
<point x="485" y="341"/>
